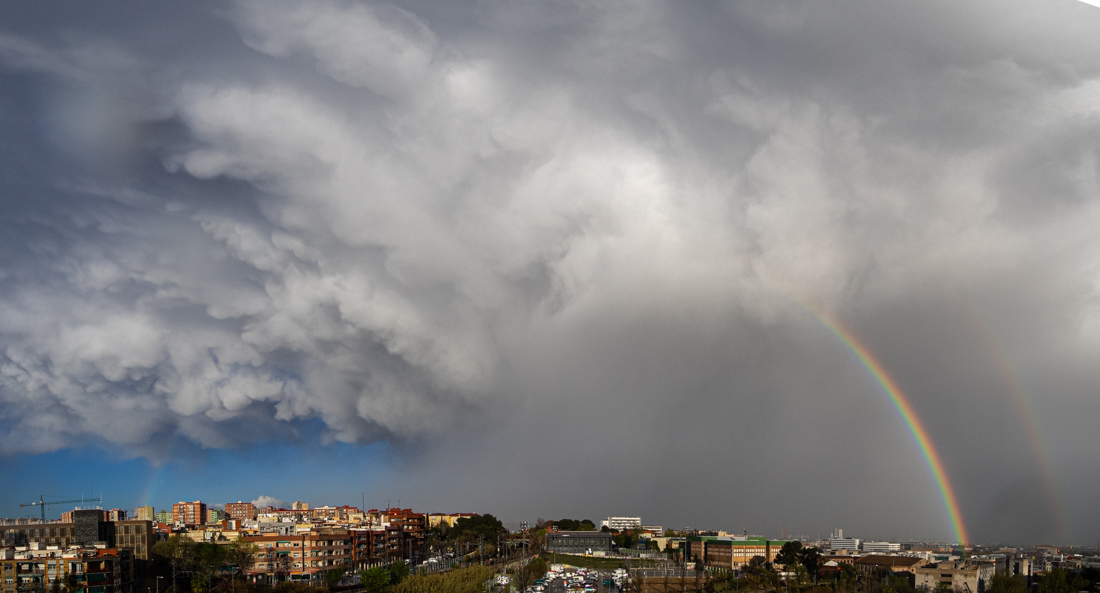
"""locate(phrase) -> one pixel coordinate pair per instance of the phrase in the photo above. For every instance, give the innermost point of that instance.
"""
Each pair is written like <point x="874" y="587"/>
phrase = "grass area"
<point x="595" y="561"/>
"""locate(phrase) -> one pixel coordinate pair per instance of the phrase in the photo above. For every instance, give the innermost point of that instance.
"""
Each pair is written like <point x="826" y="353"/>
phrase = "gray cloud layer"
<point x="570" y="240"/>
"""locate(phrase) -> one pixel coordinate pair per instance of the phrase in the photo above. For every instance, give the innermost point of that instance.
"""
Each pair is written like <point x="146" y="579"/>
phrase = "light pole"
<point x="158" y="583"/>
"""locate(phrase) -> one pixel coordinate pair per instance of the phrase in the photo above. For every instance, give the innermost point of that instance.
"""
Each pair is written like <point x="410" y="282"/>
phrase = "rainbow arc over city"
<point x="908" y="415"/>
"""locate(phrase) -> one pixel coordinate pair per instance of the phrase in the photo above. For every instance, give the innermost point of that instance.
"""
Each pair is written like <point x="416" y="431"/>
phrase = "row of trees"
<point x="573" y="525"/>
<point x="206" y="563"/>
<point x="485" y="527"/>
<point x="462" y="580"/>
<point x="381" y="578"/>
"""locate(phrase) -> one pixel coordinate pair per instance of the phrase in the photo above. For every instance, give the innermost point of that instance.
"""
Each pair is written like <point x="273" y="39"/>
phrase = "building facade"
<point x="731" y="553"/>
<point x="39" y="568"/>
<point x="191" y="514"/>
<point x="300" y="557"/>
<point x="578" y="542"/>
<point x="240" y="510"/>
<point x="621" y="523"/>
<point x="965" y="578"/>
<point x="880" y="547"/>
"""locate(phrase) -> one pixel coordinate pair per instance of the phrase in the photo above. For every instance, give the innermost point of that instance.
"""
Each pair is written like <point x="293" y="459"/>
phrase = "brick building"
<point x="240" y="510"/>
<point x="300" y="557"/>
<point x="191" y="514"/>
<point x="413" y="526"/>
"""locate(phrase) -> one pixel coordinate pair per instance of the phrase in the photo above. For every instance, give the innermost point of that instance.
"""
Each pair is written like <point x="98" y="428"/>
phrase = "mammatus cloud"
<point x="512" y="229"/>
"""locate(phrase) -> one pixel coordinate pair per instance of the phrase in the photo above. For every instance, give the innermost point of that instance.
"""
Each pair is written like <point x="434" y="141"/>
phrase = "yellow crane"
<point x="41" y="504"/>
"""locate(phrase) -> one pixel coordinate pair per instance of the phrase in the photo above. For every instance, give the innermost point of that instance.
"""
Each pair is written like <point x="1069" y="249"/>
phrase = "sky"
<point x="559" y="259"/>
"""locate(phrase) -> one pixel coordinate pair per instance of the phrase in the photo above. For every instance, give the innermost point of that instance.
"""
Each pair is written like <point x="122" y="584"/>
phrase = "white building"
<point x="881" y="547"/>
<point x="841" y="543"/>
<point x="621" y="523"/>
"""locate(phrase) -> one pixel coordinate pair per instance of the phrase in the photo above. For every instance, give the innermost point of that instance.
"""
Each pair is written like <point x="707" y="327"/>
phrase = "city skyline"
<point x="731" y="264"/>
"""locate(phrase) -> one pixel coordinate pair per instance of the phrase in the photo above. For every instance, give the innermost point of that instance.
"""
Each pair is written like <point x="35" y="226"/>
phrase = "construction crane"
<point x="41" y="504"/>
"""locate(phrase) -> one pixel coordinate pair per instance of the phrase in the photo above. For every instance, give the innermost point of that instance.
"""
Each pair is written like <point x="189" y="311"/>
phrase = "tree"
<point x="790" y="554"/>
<point x="242" y="556"/>
<point x="537" y="541"/>
<point x="375" y="580"/>
<point x="333" y="577"/>
<point x="626" y="539"/>
<point x="291" y="587"/>
<point x="207" y="564"/>
<point x="463" y="580"/>
<point x="1007" y="584"/>
<point x="523" y="577"/>
<point x="398" y="571"/>
<point x="485" y="526"/>
<point x="1058" y="580"/>
<point x="72" y="583"/>
<point x="810" y="557"/>
<point x="538" y="567"/>
<point x="179" y="551"/>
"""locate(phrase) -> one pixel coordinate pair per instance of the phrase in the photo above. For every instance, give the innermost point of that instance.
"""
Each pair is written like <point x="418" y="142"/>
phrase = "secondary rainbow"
<point x="1027" y="416"/>
<point x="908" y="415"/>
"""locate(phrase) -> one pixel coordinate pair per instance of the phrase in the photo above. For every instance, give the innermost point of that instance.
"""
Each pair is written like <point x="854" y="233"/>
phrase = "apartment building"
<point x="240" y="510"/>
<point x="38" y="568"/>
<point x="881" y="547"/>
<point x="621" y="523"/>
<point x="302" y="556"/>
<point x="343" y="513"/>
<point x="67" y="516"/>
<point x="137" y="536"/>
<point x="376" y="545"/>
<point x="191" y="514"/>
<point x="413" y="526"/>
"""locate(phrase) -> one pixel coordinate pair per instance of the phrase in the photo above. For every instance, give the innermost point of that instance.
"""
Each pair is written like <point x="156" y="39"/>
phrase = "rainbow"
<point x="1027" y="416"/>
<point x="150" y="491"/>
<point x="908" y="415"/>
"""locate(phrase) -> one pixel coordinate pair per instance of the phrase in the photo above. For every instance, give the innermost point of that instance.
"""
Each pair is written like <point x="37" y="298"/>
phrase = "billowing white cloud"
<point x="516" y="228"/>
<point x="270" y="501"/>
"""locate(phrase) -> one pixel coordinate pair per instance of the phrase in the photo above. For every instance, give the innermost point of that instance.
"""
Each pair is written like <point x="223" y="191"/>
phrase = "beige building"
<point x="736" y="552"/>
<point x="445" y="520"/>
<point x="893" y="564"/>
<point x="964" y="578"/>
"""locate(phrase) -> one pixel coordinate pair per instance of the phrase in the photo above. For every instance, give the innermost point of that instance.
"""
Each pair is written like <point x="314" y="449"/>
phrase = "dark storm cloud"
<point x="568" y="242"/>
